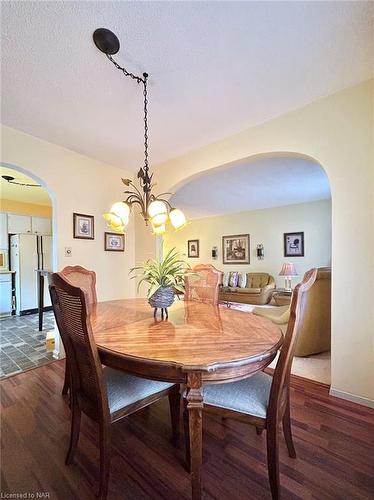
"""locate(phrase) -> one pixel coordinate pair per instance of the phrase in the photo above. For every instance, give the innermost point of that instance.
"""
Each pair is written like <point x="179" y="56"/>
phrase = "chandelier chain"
<point x="145" y="94"/>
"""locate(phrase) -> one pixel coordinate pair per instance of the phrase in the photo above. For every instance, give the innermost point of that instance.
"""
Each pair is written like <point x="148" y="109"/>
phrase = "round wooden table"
<point x="198" y="343"/>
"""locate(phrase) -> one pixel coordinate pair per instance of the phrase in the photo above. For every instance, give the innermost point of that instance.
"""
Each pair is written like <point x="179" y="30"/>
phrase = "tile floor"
<point x="22" y="346"/>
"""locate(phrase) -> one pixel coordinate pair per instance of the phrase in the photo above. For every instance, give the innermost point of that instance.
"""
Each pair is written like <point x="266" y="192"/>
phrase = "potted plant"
<point x="164" y="278"/>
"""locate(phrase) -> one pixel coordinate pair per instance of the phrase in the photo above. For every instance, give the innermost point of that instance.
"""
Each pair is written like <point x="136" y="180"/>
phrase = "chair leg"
<point x="272" y="441"/>
<point x="287" y="432"/>
<point x="186" y="435"/>
<point x="105" y="456"/>
<point x="174" y="403"/>
<point x="74" y="433"/>
<point x="66" y="386"/>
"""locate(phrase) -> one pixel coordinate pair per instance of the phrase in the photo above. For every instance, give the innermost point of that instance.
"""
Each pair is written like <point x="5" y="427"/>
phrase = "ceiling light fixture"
<point x="12" y="180"/>
<point x="154" y="208"/>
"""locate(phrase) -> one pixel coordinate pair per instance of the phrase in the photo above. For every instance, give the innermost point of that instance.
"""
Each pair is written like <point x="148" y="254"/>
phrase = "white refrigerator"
<point x="28" y="253"/>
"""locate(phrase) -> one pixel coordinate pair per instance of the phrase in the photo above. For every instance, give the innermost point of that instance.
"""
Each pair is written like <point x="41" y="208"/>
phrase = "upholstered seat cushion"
<point x="124" y="389"/>
<point x="250" y="396"/>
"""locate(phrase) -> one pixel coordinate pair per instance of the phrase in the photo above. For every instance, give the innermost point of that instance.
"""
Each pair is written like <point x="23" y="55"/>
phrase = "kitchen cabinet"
<point x="41" y="225"/>
<point x="5" y="294"/>
<point x="19" y="224"/>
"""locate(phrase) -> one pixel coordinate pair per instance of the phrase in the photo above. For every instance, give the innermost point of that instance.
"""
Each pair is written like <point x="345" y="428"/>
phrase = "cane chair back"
<point x="82" y="278"/>
<point x="70" y="305"/>
<point x="204" y="286"/>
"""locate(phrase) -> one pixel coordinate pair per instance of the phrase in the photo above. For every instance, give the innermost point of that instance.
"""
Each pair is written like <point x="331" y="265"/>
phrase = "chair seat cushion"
<point x="250" y="396"/>
<point x="124" y="389"/>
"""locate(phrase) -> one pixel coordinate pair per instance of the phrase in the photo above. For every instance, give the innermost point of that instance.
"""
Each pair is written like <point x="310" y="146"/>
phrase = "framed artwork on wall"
<point x="193" y="248"/>
<point x="114" y="242"/>
<point x="294" y="244"/>
<point x="235" y="249"/>
<point x="83" y="226"/>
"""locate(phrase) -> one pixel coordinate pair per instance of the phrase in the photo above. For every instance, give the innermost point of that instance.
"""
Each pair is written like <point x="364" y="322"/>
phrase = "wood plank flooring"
<point x="334" y="442"/>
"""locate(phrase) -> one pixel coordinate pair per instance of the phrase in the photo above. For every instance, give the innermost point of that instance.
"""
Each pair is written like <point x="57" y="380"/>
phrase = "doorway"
<point x="26" y="247"/>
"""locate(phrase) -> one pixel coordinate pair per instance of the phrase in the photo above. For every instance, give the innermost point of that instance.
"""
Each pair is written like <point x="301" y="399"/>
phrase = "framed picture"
<point x="235" y="249"/>
<point x="193" y="249"/>
<point x="83" y="226"/>
<point x="114" y="242"/>
<point x="293" y="244"/>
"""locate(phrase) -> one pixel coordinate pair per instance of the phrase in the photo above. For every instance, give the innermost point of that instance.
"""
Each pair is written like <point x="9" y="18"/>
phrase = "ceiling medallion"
<point x="154" y="208"/>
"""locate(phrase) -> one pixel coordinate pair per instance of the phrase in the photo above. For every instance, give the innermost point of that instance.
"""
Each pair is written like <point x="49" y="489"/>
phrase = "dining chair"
<point x="83" y="278"/>
<point x="263" y="400"/>
<point x="203" y="285"/>
<point x="104" y="394"/>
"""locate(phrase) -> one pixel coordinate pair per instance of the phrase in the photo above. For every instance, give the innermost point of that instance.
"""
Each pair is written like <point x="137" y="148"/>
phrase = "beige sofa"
<point x="315" y="333"/>
<point x="259" y="290"/>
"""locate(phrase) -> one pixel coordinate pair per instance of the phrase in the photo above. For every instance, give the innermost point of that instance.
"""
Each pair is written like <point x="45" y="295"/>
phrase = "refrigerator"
<point x="29" y="252"/>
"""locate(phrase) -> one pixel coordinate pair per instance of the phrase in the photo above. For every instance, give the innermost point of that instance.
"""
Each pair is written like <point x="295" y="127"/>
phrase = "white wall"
<point x="80" y="184"/>
<point x="336" y="131"/>
<point x="265" y="226"/>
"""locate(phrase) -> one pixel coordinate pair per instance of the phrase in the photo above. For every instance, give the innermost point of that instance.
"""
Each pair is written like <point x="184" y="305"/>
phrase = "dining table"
<point x="197" y="344"/>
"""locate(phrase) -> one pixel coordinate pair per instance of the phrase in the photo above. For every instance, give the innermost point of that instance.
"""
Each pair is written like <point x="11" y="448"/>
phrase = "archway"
<point x="29" y="243"/>
<point x="268" y="197"/>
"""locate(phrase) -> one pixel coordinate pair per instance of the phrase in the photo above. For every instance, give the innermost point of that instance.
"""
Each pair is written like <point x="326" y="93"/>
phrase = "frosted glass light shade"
<point x="157" y="207"/>
<point x="157" y="230"/>
<point x="122" y="210"/>
<point x="159" y="219"/>
<point x="114" y="222"/>
<point x="177" y="218"/>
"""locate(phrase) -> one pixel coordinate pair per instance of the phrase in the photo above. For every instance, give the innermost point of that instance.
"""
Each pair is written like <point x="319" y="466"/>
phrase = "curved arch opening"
<point x="29" y="244"/>
<point x="255" y="215"/>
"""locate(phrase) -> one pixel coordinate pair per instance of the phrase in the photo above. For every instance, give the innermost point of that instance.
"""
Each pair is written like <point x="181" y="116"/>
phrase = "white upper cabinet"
<point x="41" y="225"/>
<point x="3" y="231"/>
<point x="19" y="224"/>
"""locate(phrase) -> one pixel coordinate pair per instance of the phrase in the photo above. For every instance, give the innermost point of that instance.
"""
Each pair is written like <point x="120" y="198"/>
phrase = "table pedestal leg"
<point x="195" y="411"/>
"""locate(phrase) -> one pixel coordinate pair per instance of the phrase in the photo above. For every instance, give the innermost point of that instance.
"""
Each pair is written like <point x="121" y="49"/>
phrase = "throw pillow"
<point x="225" y="279"/>
<point x="233" y="282"/>
<point x="242" y="282"/>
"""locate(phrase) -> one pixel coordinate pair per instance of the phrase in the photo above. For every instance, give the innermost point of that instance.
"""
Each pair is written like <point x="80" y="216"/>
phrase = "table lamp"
<point x="288" y="270"/>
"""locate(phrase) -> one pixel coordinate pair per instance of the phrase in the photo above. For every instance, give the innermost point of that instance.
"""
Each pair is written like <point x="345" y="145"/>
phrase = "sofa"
<point x="259" y="288"/>
<point x="315" y="333"/>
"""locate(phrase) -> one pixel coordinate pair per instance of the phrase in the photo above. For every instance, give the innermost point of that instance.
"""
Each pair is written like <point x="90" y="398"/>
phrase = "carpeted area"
<point x="316" y="367"/>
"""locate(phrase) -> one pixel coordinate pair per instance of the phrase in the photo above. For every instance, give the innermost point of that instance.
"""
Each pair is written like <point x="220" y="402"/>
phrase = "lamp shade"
<point x="157" y="207"/>
<point x="121" y="209"/>
<point x="177" y="218"/>
<point x="288" y="269"/>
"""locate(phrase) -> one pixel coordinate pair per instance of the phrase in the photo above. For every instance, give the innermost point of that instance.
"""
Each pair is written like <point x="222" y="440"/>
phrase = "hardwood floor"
<point x="334" y="442"/>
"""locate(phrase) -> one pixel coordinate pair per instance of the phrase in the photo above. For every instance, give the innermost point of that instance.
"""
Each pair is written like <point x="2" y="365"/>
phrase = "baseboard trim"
<point x="352" y="397"/>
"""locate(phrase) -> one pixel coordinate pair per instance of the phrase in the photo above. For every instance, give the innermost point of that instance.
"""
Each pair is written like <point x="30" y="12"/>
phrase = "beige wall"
<point x="337" y="131"/>
<point x="17" y="207"/>
<point x="80" y="184"/>
<point x="267" y="227"/>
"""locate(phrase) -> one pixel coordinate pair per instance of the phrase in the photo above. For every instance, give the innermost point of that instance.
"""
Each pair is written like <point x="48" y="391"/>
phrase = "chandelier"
<point x="154" y="208"/>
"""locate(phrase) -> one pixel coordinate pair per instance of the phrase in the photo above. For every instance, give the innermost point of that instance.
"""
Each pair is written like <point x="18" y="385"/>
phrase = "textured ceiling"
<point x="215" y="68"/>
<point x="24" y="194"/>
<point x="252" y="185"/>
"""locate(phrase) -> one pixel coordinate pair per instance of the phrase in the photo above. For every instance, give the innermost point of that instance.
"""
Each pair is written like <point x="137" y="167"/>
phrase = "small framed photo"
<point x="193" y="249"/>
<point x="293" y="244"/>
<point x="83" y="226"/>
<point x="114" y="242"/>
<point x="235" y="249"/>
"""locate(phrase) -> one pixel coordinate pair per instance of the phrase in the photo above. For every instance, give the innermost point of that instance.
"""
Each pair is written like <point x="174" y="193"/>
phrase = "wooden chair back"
<point x="205" y="286"/>
<point x="82" y="278"/>
<point x="281" y="379"/>
<point x="70" y="306"/>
